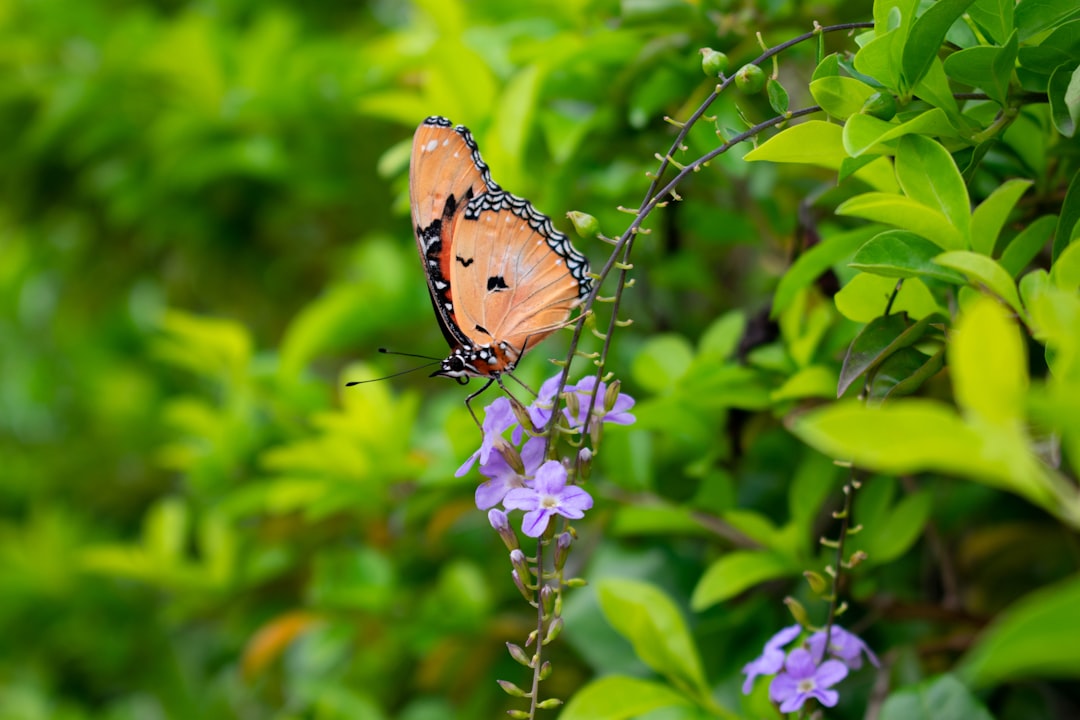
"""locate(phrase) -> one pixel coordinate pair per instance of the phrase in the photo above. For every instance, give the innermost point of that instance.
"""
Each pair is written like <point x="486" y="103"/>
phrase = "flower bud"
<point x="562" y="549"/>
<point x="611" y="394"/>
<point x="553" y="630"/>
<point x="584" y="224"/>
<point x="817" y="582"/>
<point x="547" y="600"/>
<point x="499" y="521"/>
<point x="519" y="714"/>
<point x="518" y="654"/>
<point x="797" y="611"/>
<point x="521" y="567"/>
<point x="549" y="703"/>
<point x="511" y="456"/>
<point x="713" y="62"/>
<point x="545" y="670"/>
<point x="510" y="688"/>
<point x="750" y="79"/>
<point x="521" y="586"/>
<point x="584" y="463"/>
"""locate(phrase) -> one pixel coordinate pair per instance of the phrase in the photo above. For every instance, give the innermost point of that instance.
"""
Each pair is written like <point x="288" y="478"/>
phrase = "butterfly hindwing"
<point x="501" y="277"/>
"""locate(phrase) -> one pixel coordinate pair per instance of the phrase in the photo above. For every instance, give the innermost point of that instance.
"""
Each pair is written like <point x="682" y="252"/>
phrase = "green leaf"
<point x="927" y="173"/>
<point x="1069" y="219"/>
<point x="841" y="97"/>
<point x="989" y="68"/>
<point x="880" y="59"/>
<point x="908" y="214"/>
<point x="934" y="88"/>
<point x="904" y="372"/>
<point x="905" y="436"/>
<point x="735" y="572"/>
<point x="988" y="363"/>
<point x="1037" y="637"/>
<point x="901" y="254"/>
<point x="895" y="533"/>
<point x="721" y="338"/>
<point x="832" y="250"/>
<point x="1032" y="17"/>
<point x="1065" y="274"/>
<point x="778" y="97"/>
<point x="995" y="16"/>
<point x="814" y="142"/>
<point x="807" y="382"/>
<point x="941" y="698"/>
<point x="863" y="133"/>
<point x="984" y="271"/>
<point x="1024" y="247"/>
<point x="880" y="338"/>
<point x="925" y="38"/>
<point x="662" y="361"/>
<point x="990" y="216"/>
<point x="865" y="297"/>
<point x="828" y="67"/>
<point x="1064" y="92"/>
<point x="646" y="616"/>
<point x="617" y="697"/>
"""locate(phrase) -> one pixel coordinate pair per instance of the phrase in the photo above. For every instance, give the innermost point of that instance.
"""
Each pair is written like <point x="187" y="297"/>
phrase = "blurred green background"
<point x="204" y="233"/>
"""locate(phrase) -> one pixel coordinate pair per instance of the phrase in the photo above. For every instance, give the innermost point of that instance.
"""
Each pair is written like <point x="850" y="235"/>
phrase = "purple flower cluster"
<point x="803" y="673"/>
<point x="517" y="475"/>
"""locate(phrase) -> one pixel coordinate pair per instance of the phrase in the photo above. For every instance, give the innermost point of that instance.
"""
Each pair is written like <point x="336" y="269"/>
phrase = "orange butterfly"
<point x="501" y="277"/>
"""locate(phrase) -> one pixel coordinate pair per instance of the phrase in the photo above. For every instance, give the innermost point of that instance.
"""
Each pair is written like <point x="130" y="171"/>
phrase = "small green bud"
<point x="545" y="670"/>
<point x="713" y="62"/>
<point x="511" y="689"/>
<point x="880" y="105"/>
<point x="554" y="628"/>
<point x="750" y="79"/>
<point x="817" y="582"/>
<point x="518" y="654"/>
<point x="797" y="611"/>
<point x="518" y="714"/>
<point x="584" y="224"/>
<point x="549" y="703"/>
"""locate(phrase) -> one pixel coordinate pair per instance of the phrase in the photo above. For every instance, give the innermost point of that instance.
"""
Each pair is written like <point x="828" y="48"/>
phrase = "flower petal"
<point x="521" y="499"/>
<point x="535" y="522"/>
<point x="829" y="673"/>
<point x="551" y="478"/>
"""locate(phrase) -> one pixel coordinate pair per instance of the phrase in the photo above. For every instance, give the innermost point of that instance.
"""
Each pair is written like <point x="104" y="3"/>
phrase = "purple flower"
<point x="498" y="416"/>
<point x="540" y="409"/>
<point x="771" y="659"/>
<point x="502" y="478"/>
<point x="549" y="496"/>
<point x="846" y="647"/>
<point x="803" y="679"/>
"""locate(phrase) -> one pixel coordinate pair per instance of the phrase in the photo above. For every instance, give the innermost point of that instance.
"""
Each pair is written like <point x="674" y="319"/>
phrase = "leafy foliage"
<point x="203" y="219"/>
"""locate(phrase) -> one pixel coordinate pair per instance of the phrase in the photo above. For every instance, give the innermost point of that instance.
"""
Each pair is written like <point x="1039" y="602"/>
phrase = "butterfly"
<point x="501" y="277"/>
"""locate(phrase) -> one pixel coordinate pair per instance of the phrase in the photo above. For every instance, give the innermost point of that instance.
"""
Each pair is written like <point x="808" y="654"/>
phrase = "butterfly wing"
<point x="518" y="277"/>
<point x="499" y="274"/>
<point x="445" y="173"/>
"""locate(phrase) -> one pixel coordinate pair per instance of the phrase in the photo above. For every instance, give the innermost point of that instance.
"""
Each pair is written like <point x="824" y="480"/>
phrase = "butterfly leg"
<point x="468" y="400"/>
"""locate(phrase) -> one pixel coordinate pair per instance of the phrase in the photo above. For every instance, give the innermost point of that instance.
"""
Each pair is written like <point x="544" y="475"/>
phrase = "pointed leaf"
<point x="736" y="572"/>
<point x="988" y="363"/>
<point x="839" y="96"/>
<point x="1069" y="220"/>
<point x="908" y="214"/>
<point x="1035" y="638"/>
<point x="928" y="173"/>
<point x="1064" y="92"/>
<point x="995" y="16"/>
<point x="901" y="254"/>
<point x="904" y="372"/>
<point x="988" y="68"/>
<point x="1024" y="247"/>
<point x="646" y="616"/>
<point x="875" y="342"/>
<point x="981" y="270"/>
<point x="617" y="697"/>
<point x="924" y="40"/>
<point x="990" y="216"/>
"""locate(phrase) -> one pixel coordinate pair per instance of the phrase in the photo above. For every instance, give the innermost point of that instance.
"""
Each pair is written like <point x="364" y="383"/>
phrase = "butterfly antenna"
<point x="434" y="361"/>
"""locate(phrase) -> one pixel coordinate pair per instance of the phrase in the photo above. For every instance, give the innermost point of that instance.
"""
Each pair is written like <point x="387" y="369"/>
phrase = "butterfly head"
<point x="478" y="361"/>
